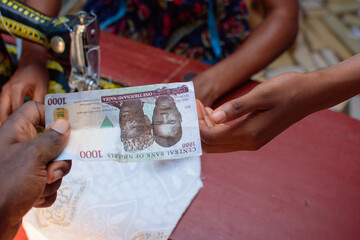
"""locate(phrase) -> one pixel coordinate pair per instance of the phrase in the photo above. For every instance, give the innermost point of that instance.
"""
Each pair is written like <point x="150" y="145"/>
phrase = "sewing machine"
<point x="73" y="41"/>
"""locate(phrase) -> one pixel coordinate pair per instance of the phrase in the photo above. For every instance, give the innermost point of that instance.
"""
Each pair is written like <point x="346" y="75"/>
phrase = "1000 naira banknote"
<point x="153" y="122"/>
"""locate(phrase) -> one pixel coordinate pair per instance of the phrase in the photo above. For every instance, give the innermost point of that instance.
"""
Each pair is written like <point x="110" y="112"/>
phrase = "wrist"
<point x="226" y="76"/>
<point x="218" y="81"/>
<point x="33" y="53"/>
<point x="211" y="79"/>
<point x="325" y="89"/>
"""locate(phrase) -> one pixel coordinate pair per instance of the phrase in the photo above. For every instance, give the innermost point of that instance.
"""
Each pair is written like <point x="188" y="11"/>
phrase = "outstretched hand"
<point x="28" y="177"/>
<point x="259" y="116"/>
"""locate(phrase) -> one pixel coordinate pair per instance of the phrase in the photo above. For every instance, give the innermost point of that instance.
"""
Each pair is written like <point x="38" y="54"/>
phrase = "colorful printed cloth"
<point x="57" y="82"/>
<point x="206" y="30"/>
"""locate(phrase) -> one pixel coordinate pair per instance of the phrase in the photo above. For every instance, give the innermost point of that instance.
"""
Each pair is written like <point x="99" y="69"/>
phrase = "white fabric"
<point x="110" y="200"/>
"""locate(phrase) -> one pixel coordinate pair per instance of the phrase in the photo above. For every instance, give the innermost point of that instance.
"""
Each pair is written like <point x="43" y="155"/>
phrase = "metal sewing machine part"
<point x="73" y="41"/>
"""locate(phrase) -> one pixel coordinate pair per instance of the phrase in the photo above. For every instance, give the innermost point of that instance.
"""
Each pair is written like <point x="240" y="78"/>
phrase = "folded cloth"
<point x="111" y="200"/>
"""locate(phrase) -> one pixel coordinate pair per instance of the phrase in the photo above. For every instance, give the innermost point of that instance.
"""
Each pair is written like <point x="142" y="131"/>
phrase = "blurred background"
<point x="329" y="32"/>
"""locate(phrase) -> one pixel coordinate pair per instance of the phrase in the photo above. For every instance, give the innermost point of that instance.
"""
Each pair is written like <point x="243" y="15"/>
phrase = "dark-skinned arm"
<point x="274" y="35"/>
<point x="275" y="105"/>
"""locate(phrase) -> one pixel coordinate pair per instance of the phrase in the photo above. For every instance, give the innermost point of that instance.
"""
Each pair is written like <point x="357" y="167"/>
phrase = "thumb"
<point x="239" y="107"/>
<point x="52" y="141"/>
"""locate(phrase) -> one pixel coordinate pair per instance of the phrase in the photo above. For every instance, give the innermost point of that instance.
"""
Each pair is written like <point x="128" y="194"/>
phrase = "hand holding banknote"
<point x="129" y="124"/>
<point x="28" y="177"/>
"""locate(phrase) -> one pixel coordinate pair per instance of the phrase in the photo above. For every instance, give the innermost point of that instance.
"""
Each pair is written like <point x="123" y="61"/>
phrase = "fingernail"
<point x="218" y="116"/>
<point x="209" y="110"/>
<point x="57" y="175"/>
<point x="61" y="126"/>
<point x="39" y="201"/>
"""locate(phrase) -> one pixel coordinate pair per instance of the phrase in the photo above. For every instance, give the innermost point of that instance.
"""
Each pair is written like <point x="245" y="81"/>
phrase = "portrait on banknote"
<point x="135" y="126"/>
<point x="166" y="122"/>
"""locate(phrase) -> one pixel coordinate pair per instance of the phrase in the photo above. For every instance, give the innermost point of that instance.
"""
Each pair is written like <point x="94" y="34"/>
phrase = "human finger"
<point x="203" y="115"/>
<point x="39" y="94"/>
<point x="17" y="99"/>
<point x="21" y="125"/>
<point x="219" y="134"/>
<point x="40" y="201"/>
<point x="207" y="118"/>
<point x="49" y="144"/>
<point x="209" y="110"/>
<point x="50" y="189"/>
<point x="225" y="138"/>
<point x="44" y="202"/>
<point x="5" y="105"/>
<point x="33" y="112"/>
<point x="239" y="107"/>
<point x="57" y="170"/>
<point x="251" y="133"/>
<point x="199" y="107"/>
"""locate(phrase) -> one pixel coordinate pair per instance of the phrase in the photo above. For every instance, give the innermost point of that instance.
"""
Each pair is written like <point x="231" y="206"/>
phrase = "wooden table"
<point x="305" y="184"/>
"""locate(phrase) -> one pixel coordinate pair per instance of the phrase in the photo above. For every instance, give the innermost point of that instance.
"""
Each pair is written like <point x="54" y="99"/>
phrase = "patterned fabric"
<point x="118" y="201"/>
<point x="57" y="83"/>
<point x="181" y="26"/>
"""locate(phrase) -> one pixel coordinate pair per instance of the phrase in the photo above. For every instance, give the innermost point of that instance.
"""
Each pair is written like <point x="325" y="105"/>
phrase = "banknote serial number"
<point x="56" y="101"/>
